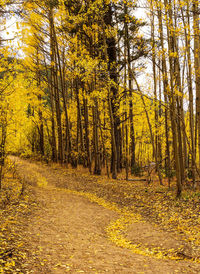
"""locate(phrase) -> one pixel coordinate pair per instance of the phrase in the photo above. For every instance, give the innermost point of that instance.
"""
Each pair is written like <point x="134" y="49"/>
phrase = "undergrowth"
<point x="14" y="207"/>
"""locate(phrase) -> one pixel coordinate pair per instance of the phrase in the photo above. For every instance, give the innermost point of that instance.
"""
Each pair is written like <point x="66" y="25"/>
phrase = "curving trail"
<point x="67" y="234"/>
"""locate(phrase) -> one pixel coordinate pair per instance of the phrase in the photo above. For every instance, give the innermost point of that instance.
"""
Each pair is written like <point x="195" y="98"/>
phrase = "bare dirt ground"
<point x="67" y="232"/>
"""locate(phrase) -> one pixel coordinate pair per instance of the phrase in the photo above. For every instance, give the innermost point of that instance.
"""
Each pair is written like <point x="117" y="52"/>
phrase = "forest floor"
<point x="69" y="221"/>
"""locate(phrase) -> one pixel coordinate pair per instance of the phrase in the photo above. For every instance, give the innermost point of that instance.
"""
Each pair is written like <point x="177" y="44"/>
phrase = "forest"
<point x="108" y="90"/>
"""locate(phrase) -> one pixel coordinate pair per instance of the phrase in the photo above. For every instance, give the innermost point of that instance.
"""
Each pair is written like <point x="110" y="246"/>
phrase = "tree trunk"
<point x="196" y="31"/>
<point x="97" y="164"/>
<point x="113" y="105"/>
<point x="87" y="138"/>
<point x="56" y="87"/>
<point x="130" y="86"/>
<point x="165" y="88"/>
<point x="172" y="96"/>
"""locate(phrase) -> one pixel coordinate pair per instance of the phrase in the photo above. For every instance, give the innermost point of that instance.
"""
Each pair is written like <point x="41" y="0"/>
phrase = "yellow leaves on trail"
<point x="41" y="181"/>
<point x="8" y="266"/>
<point x="36" y="178"/>
<point x="11" y="208"/>
<point x="11" y="189"/>
<point x="115" y="230"/>
<point x="65" y="267"/>
<point x="128" y="215"/>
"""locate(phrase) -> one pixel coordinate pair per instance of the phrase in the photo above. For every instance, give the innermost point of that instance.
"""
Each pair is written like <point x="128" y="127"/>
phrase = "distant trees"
<point x="8" y="109"/>
<point x="82" y="66"/>
<point x="176" y="56"/>
<point x="6" y="79"/>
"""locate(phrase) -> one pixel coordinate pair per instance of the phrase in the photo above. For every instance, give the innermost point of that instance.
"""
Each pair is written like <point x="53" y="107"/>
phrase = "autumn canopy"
<point x="113" y="86"/>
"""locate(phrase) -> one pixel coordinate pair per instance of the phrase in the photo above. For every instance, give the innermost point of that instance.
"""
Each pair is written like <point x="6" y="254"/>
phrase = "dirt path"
<point x="67" y="234"/>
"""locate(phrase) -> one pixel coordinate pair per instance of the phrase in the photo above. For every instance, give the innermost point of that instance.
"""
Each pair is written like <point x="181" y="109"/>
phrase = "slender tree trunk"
<point x="52" y="93"/>
<point x="110" y="57"/>
<point x="154" y="79"/>
<point x="56" y="87"/>
<point x="79" y="119"/>
<point x="103" y="144"/>
<point x="159" y="150"/>
<point x="114" y="100"/>
<point x="97" y="164"/>
<point x="58" y="116"/>
<point x="172" y="100"/>
<point x="190" y="89"/>
<point x="2" y="146"/>
<point x="63" y="93"/>
<point x="165" y="88"/>
<point x="196" y="31"/>
<point x="130" y="86"/>
<point x="179" y="99"/>
<point x="41" y="125"/>
<point x="86" y="122"/>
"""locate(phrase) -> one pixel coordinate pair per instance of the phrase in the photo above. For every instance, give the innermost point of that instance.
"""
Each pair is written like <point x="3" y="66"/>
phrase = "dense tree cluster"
<point x="84" y="101"/>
